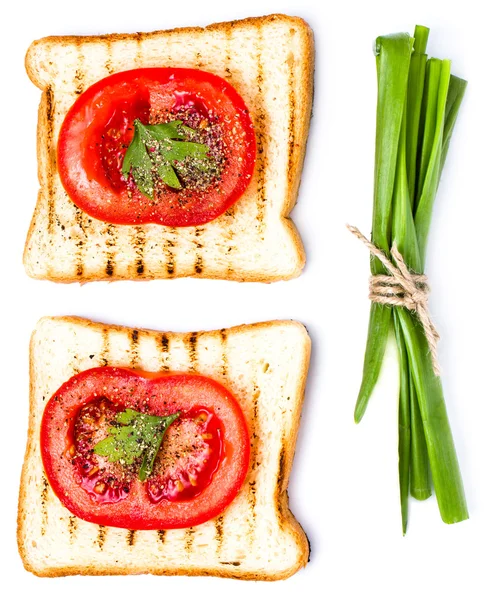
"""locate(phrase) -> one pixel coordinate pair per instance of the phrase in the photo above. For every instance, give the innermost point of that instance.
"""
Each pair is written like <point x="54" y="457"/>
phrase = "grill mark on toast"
<point x="79" y="79"/>
<point x="223" y="341"/>
<point x="101" y="536"/>
<point x="79" y="75"/>
<point x="199" y="63"/>
<point x="292" y="119"/>
<point x="256" y="402"/>
<point x="260" y="129"/>
<point x="219" y="533"/>
<point x="72" y="528"/>
<point x="228" y="53"/>
<point x="79" y="214"/>
<point x="163" y="343"/>
<point x="79" y="261"/>
<point x="254" y="450"/>
<point x="168" y="246"/>
<point x="230" y="212"/>
<point x="199" y="265"/>
<point x="198" y="256"/>
<point x="252" y="502"/>
<point x="234" y="563"/>
<point x="192" y="351"/>
<point x="229" y="236"/>
<point x="134" y="348"/>
<point x="139" y="52"/>
<point x="189" y="535"/>
<point x="109" y="267"/>
<point x="43" y="502"/>
<point x="131" y="537"/>
<point x="105" y="347"/>
<point x="139" y="248"/>
<point x="51" y="162"/>
<point x="108" y="65"/>
<point x="161" y="535"/>
<point x="110" y="237"/>
<point x="219" y="521"/>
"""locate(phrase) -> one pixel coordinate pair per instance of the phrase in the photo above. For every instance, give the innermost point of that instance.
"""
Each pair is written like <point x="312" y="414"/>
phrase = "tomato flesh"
<point x="99" y="127"/>
<point x="103" y="159"/>
<point x="199" y="469"/>
<point x="183" y="470"/>
<point x="191" y="452"/>
<point x="104" y="481"/>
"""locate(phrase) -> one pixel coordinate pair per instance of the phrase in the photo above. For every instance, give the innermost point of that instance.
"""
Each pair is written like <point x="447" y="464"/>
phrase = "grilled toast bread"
<point x="270" y="62"/>
<point x="256" y="537"/>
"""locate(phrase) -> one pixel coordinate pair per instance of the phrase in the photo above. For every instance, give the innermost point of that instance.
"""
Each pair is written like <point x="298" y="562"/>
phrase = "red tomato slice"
<point x="201" y="465"/>
<point x="99" y="127"/>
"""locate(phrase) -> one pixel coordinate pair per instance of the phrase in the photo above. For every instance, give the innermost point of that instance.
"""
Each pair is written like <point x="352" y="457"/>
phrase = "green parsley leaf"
<point x="171" y="131"/>
<point x="178" y="151"/>
<point x="138" y="160"/>
<point x="168" y="175"/>
<point x="159" y="151"/>
<point x="135" y="436"/>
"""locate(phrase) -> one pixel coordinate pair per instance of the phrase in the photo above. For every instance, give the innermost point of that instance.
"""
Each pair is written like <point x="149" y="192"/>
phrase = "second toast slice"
<point x="256" y="536"/>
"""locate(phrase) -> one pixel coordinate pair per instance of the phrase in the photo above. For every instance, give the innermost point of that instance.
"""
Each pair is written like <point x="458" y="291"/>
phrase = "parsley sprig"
<point x="135" y="436"/>
<point x="158" y="151"/>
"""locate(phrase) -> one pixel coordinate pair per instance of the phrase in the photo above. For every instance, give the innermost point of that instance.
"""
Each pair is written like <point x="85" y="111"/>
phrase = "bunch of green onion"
<point x="418" y="102"/>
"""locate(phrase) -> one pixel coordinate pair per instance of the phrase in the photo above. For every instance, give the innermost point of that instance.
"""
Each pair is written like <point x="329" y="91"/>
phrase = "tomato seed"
<point x="100" y="488"/>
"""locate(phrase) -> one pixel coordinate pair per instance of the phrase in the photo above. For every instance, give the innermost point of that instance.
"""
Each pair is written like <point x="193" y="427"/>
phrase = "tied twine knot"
<point x="402" y="288"/>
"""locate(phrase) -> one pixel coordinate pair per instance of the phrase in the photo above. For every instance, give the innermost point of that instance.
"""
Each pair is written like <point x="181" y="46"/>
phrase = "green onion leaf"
<point x="393" y="63"/>
<point x="404" y="434"/>
<point x="418" y="102"/>
<point x="420" y="487"/>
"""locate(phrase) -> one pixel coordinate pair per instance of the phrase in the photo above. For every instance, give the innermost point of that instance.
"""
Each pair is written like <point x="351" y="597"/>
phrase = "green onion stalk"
<point x="418" y="103"/>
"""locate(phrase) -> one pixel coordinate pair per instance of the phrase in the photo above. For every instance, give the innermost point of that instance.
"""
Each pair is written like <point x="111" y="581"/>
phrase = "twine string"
<point x="402" y="288"/>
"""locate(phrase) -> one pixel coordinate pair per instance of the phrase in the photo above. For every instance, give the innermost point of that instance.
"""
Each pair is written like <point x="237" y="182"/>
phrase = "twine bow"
<point x="402" y="288"/>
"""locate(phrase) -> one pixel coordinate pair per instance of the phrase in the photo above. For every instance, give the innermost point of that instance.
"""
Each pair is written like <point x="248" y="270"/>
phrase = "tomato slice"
<point x="99" y="127"/>
<point x="201" y="465"/>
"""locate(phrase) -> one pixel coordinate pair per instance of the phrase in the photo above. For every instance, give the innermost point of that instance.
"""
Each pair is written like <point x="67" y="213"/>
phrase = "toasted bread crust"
<point x="48" y="333"/>
<point x="224" y="27"/>
<point x="60" y="254"/>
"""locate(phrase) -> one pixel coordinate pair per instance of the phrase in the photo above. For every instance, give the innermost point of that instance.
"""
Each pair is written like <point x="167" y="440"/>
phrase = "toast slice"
<point x="270" y="62"/>
<point x="256" y="537"/>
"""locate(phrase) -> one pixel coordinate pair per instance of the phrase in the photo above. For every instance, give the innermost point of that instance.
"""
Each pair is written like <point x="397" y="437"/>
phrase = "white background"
<point x="344" y="486"/>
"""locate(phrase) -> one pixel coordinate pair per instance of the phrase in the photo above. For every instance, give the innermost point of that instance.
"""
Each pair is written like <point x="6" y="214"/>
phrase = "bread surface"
<point x="256" y="537"/>
<point x="270" y="62"/>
